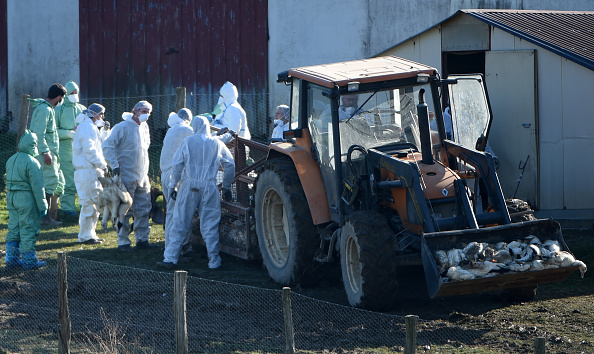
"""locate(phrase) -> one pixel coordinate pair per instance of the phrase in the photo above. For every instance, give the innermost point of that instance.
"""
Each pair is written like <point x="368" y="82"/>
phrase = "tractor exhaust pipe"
<point x="423" y="113"/>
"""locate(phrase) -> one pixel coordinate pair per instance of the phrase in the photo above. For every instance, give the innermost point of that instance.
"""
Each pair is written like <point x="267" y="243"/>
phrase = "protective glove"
<point x="116" y="171"/>
<point x="173" y="195"/>
<point x="70" y="134"/>
<point x="227" y="196"/>
<point x="222" y="131"/>
<point x="106" y="125"/>
<point x="42" y="213"/>
<point x="232" y="132"/>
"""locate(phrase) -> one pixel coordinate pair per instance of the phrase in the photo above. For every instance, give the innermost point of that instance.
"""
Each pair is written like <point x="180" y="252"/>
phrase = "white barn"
<point x="538" y="67"/>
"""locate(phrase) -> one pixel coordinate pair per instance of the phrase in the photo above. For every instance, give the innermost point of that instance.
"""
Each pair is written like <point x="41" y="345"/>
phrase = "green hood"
<point x="28" y="143"/>
<point x="38" y="101"/>
<point x="71" y="86"/>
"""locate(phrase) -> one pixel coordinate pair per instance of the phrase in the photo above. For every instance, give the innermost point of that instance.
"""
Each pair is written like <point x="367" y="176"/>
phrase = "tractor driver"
<point x="349" y="103"/>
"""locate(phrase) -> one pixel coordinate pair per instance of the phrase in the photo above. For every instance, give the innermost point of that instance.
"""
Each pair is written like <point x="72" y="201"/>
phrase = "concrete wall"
<point x="309" y="32"/>
<point x="42" y="48"/>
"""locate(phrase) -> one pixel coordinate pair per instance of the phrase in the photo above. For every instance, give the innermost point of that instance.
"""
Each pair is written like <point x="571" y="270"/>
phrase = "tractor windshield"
<point x="379" y="118"/>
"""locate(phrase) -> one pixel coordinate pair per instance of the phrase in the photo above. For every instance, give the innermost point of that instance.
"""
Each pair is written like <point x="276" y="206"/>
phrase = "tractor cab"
<point x="354" y="106"/>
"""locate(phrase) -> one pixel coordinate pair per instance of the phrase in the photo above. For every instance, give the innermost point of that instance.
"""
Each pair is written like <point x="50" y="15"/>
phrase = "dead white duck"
<point x="552" y="245"/>
<point x="484" y="269"/>
<point x="518" y="267"/>
<point x="530" y="253"/>
<point x="516" y="248"/>
<point x="533" y="240"/>
<point x="582" y="265"/>
<point x="457" y="273"/>
<point x="442" y="259"/>
<point x="455" y="257"/>
<point x="474" y="250"/>
<point x="502" y="256"/>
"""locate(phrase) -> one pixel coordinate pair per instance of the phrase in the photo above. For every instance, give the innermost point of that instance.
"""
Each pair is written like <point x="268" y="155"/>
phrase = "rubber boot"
<point x="13" y="255"/>
<point x="30" y="261"/>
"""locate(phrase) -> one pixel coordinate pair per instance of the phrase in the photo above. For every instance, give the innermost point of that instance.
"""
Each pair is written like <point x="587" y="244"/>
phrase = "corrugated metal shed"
<point x="569" y="34"/>
<point x="148" y="47"/>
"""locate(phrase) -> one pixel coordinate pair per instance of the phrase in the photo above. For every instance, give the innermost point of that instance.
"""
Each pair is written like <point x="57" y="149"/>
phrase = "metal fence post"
<point x="179" y="311"/>
<point x="63" y="311"/>
<point x="411" y="334"/>
<point x="180" y="98"/>
<point x="539" y="345"/>
<point x="288" y="318"/>
<point x="23" y="118"/>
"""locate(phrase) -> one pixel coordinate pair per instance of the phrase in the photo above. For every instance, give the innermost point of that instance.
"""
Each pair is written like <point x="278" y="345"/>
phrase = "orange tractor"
<point x="362" y="179"/>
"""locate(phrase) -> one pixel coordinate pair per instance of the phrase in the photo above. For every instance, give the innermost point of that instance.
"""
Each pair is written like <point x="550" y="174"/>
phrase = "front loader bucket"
<point x="543" y="229"/>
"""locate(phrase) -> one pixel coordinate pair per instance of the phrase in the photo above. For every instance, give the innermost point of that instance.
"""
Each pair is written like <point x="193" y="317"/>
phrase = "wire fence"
<point x="116" y="309"/>
<point x="255" y="106"/>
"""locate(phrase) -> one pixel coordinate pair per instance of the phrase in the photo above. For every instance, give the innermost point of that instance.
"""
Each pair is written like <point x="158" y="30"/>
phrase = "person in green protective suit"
<point x="43" y="124"/>
<point x="66" y="113"/>
<point x="26" y="203"/>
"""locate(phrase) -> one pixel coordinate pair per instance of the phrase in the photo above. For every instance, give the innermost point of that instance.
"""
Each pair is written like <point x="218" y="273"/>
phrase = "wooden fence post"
<point x="180" y="98"/>
<point x="23" y="118"/>
<point x="63" y="311"/>
<point x="288" y="318"/>
<point x="179" y="311"/>
<point x="411" y="334"/>
<point x="539" y="345"/>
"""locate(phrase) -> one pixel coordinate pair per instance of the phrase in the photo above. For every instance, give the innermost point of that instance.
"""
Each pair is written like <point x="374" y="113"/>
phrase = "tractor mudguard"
<point x="309" y="174"/>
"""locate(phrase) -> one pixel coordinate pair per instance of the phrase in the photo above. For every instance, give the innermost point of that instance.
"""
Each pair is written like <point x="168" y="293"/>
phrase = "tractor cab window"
<point x="373" y="119"/>
<point x="295" y="92"/>
<point x="320" y="127"/>
<point x="469" y="108"/>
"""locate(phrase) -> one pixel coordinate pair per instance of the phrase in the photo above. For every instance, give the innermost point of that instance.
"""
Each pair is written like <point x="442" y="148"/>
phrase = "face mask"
<point x="99" y="123"/>
<point x="350" y="110"/>
<point x="60" y="102"/>
<point x="143" y="117"/>
<point x="73" y="98"/>
<point x="278" y="122"/>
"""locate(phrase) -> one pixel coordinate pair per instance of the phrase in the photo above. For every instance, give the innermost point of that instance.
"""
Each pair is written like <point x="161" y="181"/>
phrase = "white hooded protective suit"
<point x="88" y="160"/>
<point x="195" y="164"/>
<point x="178" y="131"/>
<point x="233" y="115"/>
<point x="126" y="148"/>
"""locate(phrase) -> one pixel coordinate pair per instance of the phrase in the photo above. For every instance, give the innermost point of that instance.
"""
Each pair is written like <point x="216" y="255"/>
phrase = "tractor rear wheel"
<point x="286" y="235"/>
<point x="367" y="261"/>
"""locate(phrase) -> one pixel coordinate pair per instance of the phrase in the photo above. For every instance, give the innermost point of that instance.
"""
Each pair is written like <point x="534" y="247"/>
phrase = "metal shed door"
<point x="511" y="83"/>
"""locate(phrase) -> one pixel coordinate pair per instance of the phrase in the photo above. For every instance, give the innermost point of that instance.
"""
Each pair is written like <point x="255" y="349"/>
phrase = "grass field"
<point x="562" y="313"/>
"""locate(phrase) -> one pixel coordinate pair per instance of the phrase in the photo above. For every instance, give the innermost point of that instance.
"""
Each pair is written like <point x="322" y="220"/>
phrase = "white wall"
<point x="565" y="131"/>
<point x="309" y="32"/>
<point x="42" y="48"/>
<point x="424" y="48"/>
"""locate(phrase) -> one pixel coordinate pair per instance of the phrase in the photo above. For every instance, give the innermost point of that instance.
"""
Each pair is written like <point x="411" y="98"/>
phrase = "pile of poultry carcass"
<point x="481" y="259"/>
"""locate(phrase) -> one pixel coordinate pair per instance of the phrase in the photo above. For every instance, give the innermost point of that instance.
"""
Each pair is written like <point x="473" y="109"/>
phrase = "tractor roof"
<point x="362" y="71"/>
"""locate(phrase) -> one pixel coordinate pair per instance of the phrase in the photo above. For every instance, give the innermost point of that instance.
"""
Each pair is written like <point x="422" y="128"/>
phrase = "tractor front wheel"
<point x="367" y="261"/>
